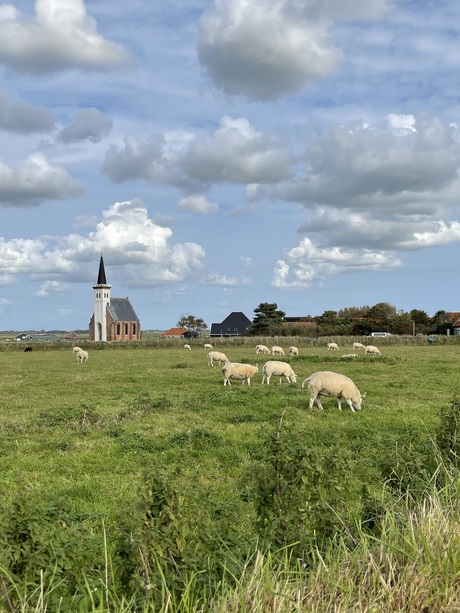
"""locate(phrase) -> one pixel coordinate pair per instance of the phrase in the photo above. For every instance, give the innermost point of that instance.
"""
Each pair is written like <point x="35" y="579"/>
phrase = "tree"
<point x="267" y="317"/>
<point x="192" y="323"/>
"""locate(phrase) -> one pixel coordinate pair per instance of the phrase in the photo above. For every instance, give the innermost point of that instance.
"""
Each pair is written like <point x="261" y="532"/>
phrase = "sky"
<point x="225" y="153"/>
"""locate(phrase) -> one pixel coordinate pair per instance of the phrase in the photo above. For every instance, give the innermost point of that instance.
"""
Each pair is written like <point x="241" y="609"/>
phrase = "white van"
<point x="380" y="334"/>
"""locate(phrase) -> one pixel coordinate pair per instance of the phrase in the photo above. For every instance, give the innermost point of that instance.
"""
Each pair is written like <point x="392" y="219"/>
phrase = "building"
<point x="234" y="325"/>
<point x="114" y="319"/>
<point x="174" y="333"/>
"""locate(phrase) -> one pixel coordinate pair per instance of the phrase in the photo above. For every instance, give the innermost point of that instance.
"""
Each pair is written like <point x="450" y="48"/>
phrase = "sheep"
<point x="358" y="346"/>
<point x="218" y="357"/>
<point x="278" y="369"/>
<point x="236" y="370"/>
<point x="187" y="347"/>
<point x="82" y="356"/>
<point x="262" y="349"/>
<point x="28" y="349"/>
<point x="293" y="350"/>
<point x="208" y="346"/>
<point x="328" y="383"/>
<point x="350" y="355"/>
<point x="77" y="349"/>
<point x="278" y="350"/>
<point x="372" y="349"/>
<point x="333" y="346"/>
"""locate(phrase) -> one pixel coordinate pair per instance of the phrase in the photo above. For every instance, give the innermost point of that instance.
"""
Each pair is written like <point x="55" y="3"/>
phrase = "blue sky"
<point x="226" y="153"/>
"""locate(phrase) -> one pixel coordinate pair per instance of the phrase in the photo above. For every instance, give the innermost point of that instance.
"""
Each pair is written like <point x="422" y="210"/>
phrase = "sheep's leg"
<point x="350" y="404"/>
<point x="318" y="402"/>
<point x="339" y="402"/>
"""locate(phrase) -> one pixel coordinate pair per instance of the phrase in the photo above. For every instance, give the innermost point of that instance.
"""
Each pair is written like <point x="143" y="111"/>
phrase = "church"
<point x="114" y="319"/>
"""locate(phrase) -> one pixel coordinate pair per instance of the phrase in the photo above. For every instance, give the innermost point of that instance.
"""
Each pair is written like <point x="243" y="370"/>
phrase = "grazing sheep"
<point x="217" y="356"/>
<point x="236" y="370"/>
<point x="358" y="346"/>
<point x="327" y="383"/>
<point x="27" y="349"/>
<point x="278" y="350"/>
<point x="372" y="349"/>
<point x="77" y="349"/>
<point x="262" y="349"/>
<point x="187" y="347"/>
<point x="82" y="356"/>
<point x="207" y="346"/>
<point x="350" y="355"/>
<point x="333" y="346"/>
<point x="294" y="350"/>
<point x="278" y="369"/>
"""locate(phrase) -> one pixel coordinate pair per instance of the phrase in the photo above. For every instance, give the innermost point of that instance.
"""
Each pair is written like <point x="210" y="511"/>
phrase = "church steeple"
<point x="101" y="280"/>
<point x="101" y="302"/>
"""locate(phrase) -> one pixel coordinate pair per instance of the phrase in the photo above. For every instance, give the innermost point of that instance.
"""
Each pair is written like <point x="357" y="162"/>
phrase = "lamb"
<point x="262" y="349"/>
<point x="358" y="346"/>
<point x="82" y="356"/>
<point x="207" y="346"/>
<point x="278" y="369"/>
<point x="333" y="346"/>
<point x="218" y="357"/>
<point x="237" y="370"/>
<point x="372" y="349"/>
<point x="187" y="347"/>
<point x="293" y="350"/>
<point x="328" y="383"/>
<point x="350" y="355"/>
<point x="278" y="350"/>
<point x="77" y="349"/>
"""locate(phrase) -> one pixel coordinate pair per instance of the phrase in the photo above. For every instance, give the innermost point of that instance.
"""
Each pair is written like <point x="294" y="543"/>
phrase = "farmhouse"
<point x="114" y="319"/>
<point x="234" y="325"/>
<point x="174" y="333"/>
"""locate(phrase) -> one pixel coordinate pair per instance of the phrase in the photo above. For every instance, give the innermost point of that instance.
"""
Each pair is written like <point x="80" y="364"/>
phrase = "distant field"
<point x="85" y="433"/>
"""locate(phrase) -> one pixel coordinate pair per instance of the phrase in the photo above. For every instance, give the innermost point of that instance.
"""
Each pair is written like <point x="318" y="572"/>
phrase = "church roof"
<point x="101" y="279"/>
<point x="120" y="309"/>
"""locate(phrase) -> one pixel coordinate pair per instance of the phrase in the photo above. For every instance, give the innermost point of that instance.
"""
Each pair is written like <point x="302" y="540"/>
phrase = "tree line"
<point x="351" y="321"/>
<point x="269" y="320"/>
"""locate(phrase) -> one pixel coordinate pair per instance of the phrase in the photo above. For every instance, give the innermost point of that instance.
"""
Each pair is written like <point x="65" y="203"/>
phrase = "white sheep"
<point x="328" y="383"/>
<point x="372" y="349"/>
<point x="294" y="350"/>
<point x="262" y="349"/>
<point x="358" y="346"/>
<point x="277" y="350"/>
<point x="217" y="356"/>
<point x="208" y="346"/>
<point x="350" y="355"/>
<point x="77" y="349"/>
<point x="82" y="356"/>
<point x="187" y="347"/>
<point x="278" y="369"/>
<point x="333" y="346"/>
<point x="237" y="370"/>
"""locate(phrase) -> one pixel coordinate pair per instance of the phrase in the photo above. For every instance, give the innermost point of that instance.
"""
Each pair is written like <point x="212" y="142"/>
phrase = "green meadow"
<point x="137" y="481"/>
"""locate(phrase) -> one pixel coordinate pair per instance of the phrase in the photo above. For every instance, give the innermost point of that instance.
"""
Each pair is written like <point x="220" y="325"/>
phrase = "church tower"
<point x="101" y="302"/>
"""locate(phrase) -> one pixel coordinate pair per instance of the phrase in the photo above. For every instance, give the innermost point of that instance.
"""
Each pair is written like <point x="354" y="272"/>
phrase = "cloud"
<point x="307" y="263"/>
<point x="197" y="203"/>
<point x="265" y="49"/>
<point x="413" y="172"/>
<point x="51" y="287"/>
<point x="215" y="278"/>
<point x="140" y="251"/>
<point x="20" y="118"/>
<point x="34" y="181"/>
<point x="90" y="125"/>
<point x="234" y="153"/>
<point x="60" y="37"/>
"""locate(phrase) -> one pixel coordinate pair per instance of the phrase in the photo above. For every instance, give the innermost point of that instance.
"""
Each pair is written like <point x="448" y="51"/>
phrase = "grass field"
<point x="87" y="433"/>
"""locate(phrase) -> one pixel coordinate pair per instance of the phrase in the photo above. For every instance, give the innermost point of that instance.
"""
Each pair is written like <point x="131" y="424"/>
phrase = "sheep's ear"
<point x="363" y="395"/>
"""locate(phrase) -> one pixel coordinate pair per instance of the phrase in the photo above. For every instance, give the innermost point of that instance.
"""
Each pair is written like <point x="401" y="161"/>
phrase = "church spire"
<point x="101" y="280"/>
